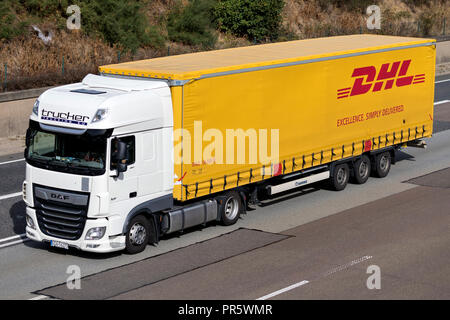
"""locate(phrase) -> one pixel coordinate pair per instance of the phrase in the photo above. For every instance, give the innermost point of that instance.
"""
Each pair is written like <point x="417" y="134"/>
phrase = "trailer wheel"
<point x="382" y="164"/>
<point x="230" y="207"/>
<point x="339" y="179"/>
<point x="137" y="235"/>
<point x="361" y="170"/>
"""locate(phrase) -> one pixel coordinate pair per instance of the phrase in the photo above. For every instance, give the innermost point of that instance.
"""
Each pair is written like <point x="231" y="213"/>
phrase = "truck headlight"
<point x="24" y="191"/>
<point x="36" y="107"/>
<point x="30" y="222"/>
<point x="100" y="115"/>
<point x="95" y="233"/>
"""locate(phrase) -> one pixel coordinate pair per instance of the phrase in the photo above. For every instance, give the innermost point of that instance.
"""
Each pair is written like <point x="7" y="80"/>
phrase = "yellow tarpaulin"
<point x="326" y="99"/>
<point x="194" y="65"/>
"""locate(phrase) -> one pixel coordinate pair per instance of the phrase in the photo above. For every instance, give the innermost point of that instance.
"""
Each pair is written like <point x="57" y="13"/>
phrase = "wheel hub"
<point x="383" y="163"/>
<point x="137" y="234"/>
<point x="341" y="176"/>
<point x="363" y="169"/>
<point x="231" y="208"/>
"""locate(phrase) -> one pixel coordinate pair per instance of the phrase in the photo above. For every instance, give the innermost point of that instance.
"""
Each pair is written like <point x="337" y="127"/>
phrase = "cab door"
<point x="123" y="187"/>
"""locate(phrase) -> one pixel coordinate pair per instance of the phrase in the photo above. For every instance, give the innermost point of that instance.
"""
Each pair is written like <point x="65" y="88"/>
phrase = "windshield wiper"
<point x="72" y="166"/>
<point x="85" y="168"/>
<point x="40" y="160"/>
<point x="58" y="163"/>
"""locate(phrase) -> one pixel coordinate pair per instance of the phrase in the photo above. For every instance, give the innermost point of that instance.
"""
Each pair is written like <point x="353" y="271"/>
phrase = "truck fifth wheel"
<point x="152" y="147"/>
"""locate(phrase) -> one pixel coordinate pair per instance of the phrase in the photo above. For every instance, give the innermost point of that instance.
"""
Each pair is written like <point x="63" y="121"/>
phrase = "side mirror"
<point x="119" y="155"/>
<point x="121" y="150"/>
<point x="122" y="167"/>
<point x="27" y="143"/>
<point x="28" y="137"/>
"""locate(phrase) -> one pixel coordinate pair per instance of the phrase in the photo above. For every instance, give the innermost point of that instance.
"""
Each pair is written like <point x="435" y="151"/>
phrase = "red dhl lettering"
<point x="367" y="79"/>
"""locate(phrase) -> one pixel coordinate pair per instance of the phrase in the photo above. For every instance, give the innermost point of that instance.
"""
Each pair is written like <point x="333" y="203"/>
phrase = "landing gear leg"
<point x="254" y="201"/>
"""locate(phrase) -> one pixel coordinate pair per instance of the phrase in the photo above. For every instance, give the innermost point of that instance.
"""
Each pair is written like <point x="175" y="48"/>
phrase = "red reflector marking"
<point x="367" y="145"/>
<point x="277" y="169"/>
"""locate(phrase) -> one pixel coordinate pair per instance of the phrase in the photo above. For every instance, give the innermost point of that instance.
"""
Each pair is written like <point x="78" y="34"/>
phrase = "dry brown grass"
<point x="33" y="64"/>
<point x="398" y="18"/>
<point x="305" y="19"/>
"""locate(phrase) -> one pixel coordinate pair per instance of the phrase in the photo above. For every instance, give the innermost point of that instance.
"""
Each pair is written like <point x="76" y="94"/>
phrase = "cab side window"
<point x="130" y="154"/>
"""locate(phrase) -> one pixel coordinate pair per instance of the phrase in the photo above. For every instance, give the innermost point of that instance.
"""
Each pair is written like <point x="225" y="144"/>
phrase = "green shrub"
<point x="10" y="26"/>
<point x="258" y="20"/>
<point x="193" y="24"/>
<point x="119" y="22"/>
<point x="44" y="8"/>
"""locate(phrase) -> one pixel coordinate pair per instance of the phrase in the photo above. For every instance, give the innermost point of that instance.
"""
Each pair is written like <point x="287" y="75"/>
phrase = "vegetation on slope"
<point x="120" y="30"/>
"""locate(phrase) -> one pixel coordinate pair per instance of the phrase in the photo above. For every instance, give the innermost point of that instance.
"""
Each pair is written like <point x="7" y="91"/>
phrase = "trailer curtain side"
<point x="342" y="97"/>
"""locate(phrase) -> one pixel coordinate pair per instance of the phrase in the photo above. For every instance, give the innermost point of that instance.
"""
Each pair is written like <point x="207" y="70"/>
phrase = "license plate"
<point x="59" y="244"/>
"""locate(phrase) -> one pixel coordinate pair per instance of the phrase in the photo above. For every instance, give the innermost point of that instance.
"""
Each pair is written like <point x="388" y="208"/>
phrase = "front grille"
<point x="60" y="219"/>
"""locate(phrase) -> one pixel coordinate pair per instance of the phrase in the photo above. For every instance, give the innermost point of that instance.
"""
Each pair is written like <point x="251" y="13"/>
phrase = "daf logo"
<point x="58" y="196"/>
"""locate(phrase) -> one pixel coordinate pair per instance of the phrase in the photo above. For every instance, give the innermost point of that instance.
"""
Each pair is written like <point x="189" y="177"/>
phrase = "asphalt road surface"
<point x="405" y="235"/>
<point x="312" y="243"/>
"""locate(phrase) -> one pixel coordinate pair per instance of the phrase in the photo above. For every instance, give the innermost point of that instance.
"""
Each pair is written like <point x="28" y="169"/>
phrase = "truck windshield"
<point x="79" y="154"/>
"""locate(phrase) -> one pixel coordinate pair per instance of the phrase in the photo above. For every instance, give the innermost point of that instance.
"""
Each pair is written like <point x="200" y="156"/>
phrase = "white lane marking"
<point x="441" y="102"/>
<point x="278" y="292"/>
<point x="347" y="265"/>
<point x="11" y="195"/>
<point x="13" y="237"/>
<point x="440" y="81"/>
<point x="301" y="283"/>
<point x="40" y="297"/>
<point x="14" y="242"/>
<point x="11" y="161"/>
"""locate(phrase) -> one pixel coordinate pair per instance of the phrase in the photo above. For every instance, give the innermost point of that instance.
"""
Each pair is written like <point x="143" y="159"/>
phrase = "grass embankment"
<point x="123" y="30"/>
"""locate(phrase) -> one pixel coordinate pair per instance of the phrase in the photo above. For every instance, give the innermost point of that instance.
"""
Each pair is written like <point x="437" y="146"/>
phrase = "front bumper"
<point x="108" y="243"/>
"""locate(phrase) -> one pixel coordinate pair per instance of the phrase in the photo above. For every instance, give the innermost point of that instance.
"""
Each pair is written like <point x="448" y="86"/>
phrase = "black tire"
<point x="361" y="170"/>
<point x="138" y="234"/>
<point x="339" y="179"/>
<point x="382" y="164"/>
<point x="230" y="207"/>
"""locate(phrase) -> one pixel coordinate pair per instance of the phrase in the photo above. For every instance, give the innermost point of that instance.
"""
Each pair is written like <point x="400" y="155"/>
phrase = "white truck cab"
<point x="97" y="152"/>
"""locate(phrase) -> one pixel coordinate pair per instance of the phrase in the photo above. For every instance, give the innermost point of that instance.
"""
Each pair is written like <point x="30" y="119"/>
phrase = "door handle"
<point x="133" y="194"/>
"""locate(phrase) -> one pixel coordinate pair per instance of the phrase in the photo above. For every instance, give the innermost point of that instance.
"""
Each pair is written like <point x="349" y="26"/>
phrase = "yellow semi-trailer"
<point x="329" y="99"/>
<point x="157" y="146"/>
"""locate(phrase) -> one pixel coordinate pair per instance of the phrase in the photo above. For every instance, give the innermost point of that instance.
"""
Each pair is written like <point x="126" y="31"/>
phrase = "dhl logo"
<point x="390" y="73"/>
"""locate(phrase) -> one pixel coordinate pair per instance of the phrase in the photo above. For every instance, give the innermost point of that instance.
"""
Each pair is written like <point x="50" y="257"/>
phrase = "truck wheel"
<point x="382" y="164"/>
<point x="340" y="176"/>
<point x="361" y="170"/>
<point x="230" y="207"/>
<point x="137" y="235"/>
